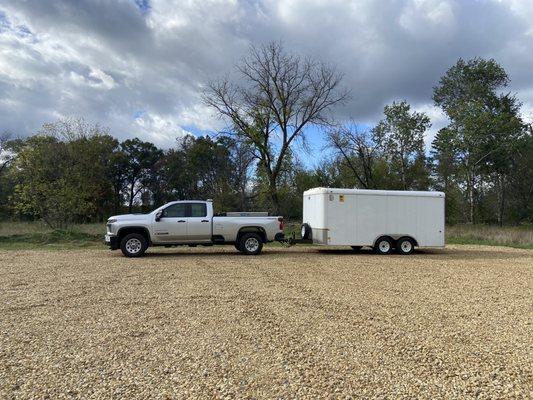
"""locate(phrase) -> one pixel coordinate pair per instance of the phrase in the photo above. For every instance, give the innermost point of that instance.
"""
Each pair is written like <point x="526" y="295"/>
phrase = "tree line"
<point x="73" y="171"/>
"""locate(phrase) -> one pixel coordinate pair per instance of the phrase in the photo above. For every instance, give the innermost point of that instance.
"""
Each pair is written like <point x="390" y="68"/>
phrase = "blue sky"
<point x="138" y="66"/>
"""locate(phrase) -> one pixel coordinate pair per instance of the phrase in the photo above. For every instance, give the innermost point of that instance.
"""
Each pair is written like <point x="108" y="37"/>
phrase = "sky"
<point x="138" y="66"/>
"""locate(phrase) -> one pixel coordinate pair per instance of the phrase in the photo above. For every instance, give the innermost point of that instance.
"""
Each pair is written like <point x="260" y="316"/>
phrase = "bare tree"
<point x="70" y="128"/>
<point x="357" y="152"/>
<point x="280" y="95"/>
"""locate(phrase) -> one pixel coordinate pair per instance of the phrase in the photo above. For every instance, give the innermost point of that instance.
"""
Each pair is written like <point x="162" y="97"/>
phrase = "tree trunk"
<point x="243" y="198"/>
<point x="130" y="208"/>
<point x="471" y="196"/>
<point x="273" y="192"/>
<point x="404" y="183"/>
<point x="501" y="181"/>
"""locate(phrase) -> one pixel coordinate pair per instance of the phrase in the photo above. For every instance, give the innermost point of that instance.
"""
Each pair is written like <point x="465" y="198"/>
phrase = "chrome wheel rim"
<point x="406" y="246"/>
<point x="251" y="244"/>
<point x="384" y="246"/>
<point x="133" y="245"/>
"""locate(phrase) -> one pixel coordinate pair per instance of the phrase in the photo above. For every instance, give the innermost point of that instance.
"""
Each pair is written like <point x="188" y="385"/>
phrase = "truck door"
<point x="172" y="227"/>
<point x="198" y="223"/>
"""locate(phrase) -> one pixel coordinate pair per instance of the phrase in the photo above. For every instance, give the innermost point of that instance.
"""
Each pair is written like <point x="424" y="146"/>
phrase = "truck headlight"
<point x="111" y="220"/>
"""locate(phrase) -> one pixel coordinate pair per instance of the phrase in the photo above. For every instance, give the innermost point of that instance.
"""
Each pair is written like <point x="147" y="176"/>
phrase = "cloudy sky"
<point x="137" y="66"/>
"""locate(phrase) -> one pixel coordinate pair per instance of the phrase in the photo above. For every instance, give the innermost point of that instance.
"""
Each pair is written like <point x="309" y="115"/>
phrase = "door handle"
<point x="182" y="220"/>
<point x="205" y="220"/>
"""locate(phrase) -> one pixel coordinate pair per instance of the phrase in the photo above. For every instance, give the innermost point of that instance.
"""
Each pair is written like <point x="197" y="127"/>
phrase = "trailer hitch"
<point x="292" y="240"/>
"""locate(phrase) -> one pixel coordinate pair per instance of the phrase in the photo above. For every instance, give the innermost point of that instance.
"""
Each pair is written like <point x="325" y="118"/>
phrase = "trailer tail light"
<point x="281" y="223"/>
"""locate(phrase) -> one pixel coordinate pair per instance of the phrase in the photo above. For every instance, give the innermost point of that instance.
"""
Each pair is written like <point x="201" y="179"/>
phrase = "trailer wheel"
<point x="405" y="246"/>
<point x="251" y="244"/>
<point x="383" y="245"/>
<point x="133" y="245"/>
<point x="306" y="232"/>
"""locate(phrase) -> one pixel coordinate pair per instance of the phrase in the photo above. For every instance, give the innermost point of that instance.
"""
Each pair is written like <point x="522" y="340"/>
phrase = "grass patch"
<point x="38" y="237"/>
<point x="518" y="237"/>
<point x="27" y="235"/>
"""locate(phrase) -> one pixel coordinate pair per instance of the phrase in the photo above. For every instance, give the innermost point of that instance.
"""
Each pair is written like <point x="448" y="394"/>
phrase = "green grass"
<point x="28" y="235"/>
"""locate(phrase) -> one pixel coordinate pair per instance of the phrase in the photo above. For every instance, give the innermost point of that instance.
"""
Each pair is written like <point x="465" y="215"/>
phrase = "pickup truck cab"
<point x="191" y="223"/>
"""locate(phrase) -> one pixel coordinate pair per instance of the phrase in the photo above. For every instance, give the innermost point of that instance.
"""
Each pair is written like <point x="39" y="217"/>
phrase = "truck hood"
<point x="131" y="217"/>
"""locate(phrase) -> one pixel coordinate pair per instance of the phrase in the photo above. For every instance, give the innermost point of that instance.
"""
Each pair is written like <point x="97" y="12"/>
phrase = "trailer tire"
<point x="251" y="244"/>
<point x="405" y="246"/>
<point x="306" y="232"/>
<point x="133" y="245"/>
<point x="383" y="245"/>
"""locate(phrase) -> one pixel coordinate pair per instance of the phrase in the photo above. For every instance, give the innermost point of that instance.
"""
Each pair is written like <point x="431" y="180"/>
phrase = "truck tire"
<point x="306" y="232"/>
<point x="238" y="245"/>
<point x="133" y="245"/>
<point x="405" y="246"/>
<point x="383" y="245"/>
<point x="251" y="244"/>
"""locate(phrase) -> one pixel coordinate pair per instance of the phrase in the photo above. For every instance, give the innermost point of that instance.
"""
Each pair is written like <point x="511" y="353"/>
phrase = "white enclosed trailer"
<point x="382" y="219"/>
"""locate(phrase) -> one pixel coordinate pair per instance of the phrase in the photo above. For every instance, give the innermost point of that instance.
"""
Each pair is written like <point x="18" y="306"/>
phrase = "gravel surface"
<point x="291" y="323"/>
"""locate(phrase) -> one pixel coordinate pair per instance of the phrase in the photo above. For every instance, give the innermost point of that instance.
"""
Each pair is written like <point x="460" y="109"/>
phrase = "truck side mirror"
<point x="158" y="215"/>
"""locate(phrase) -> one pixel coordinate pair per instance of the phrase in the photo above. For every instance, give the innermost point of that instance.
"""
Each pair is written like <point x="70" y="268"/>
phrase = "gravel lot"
<point x="292" y="323"/>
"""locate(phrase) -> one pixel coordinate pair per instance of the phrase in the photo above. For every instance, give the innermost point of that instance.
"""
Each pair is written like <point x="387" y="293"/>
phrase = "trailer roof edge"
<point x="323" y="190"/>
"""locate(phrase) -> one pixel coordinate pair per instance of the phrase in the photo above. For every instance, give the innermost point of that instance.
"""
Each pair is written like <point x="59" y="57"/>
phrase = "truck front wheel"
<point x="251" y="244"/>
<point x="133" y="245"/>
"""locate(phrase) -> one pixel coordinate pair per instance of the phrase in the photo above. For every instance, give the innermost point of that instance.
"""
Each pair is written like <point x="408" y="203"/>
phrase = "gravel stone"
<point x="303" y="323"/>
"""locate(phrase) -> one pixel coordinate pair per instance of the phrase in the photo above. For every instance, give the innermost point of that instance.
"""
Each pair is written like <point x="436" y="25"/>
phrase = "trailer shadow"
<point x="483" y="252"/>
<point x="472" y="252"/>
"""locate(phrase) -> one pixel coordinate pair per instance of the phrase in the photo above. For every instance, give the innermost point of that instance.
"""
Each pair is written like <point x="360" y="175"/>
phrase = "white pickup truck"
<point x="191" y="223"/>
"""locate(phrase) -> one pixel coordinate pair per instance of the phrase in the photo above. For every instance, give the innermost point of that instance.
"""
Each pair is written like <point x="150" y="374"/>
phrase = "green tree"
<point x="45" y="186"/>
<point x="8" y="152"/>
<point x="400" y="137"/>
<point x="520" y="180"/>
<point x="141" y="160"/>
<point x="61" y="173"/>
<point x="485" y="125"/>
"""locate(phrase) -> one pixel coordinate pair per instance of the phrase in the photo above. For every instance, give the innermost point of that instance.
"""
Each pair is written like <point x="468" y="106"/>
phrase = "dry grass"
<point x="291" y="323"/>
<point x="521" y="237"/>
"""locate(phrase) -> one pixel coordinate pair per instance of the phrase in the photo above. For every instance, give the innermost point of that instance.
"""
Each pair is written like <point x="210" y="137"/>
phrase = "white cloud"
<point x="140" y="71"/>
<point x="162" y="131"/>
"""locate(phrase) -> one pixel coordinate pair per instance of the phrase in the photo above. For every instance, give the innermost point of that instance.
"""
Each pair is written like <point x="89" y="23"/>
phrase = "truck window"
<point x="198" y="210"/>
<point x="178" y="210"/>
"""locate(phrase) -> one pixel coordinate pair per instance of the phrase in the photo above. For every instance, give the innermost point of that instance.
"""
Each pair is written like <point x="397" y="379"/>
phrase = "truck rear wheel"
<point x="383" y="245"/>
<point x="133" y="245"/>
<point x="251" y="244"/>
